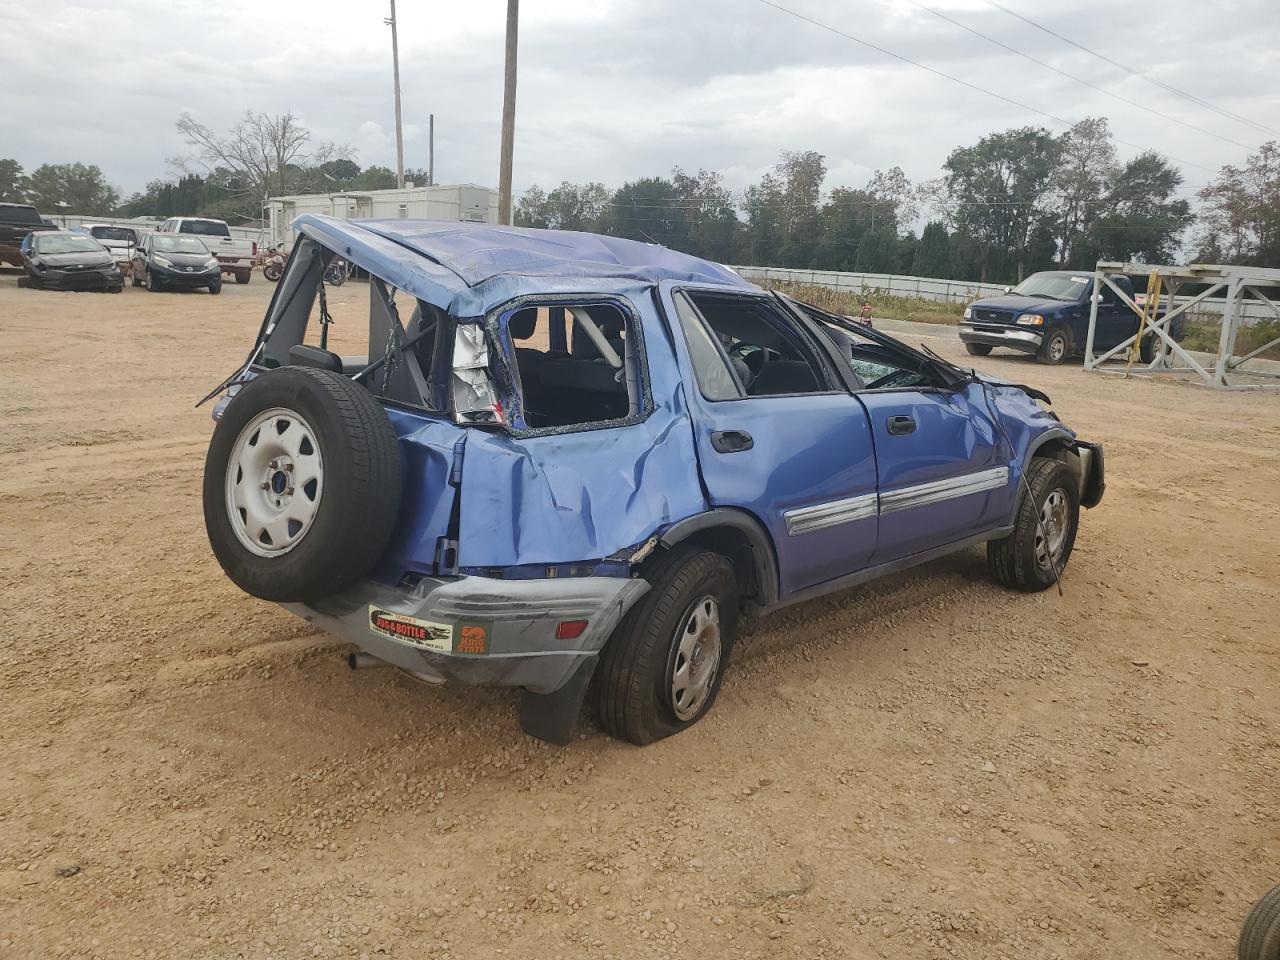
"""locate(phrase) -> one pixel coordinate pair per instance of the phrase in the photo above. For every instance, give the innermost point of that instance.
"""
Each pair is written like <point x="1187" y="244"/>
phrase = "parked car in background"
<point x="121" y="241"/>
<point x="167" y="261"/>
<point x="1047" y="314"/>
<point x="235" y="256"/>
<point x="17" y="222"/>
<point x="69" y="261"/>
<point x="568" y="462"/>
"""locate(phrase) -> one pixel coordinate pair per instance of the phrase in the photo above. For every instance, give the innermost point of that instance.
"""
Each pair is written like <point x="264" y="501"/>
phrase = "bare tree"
<point x="260" y="148"/>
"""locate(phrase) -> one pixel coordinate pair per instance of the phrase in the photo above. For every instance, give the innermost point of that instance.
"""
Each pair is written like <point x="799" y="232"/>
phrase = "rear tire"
<point x="134" y="279"/>
<point x="242" y="277"/>
<point x="301" y="515"/>
<point x="1021" y="560"/>
<point x="1260" y="935"/>
<point x="661" y="670"/>
<point x="1055" y="347"/>
<point x="977" y="349"/>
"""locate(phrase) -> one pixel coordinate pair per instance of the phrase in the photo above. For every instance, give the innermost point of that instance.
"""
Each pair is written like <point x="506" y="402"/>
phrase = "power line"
<point x="1127" y="69"/>
<point x="1081" y="80"/>
<point x="954" y="79"/>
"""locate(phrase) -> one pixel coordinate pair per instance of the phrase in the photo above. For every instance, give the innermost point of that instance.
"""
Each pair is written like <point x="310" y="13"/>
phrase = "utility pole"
<point x="395" y="69"/>
<point x="431" y="149"/>
<point x="508" y="114"/>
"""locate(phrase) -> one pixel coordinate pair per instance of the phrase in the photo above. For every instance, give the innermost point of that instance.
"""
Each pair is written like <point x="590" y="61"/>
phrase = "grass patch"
<point x="849" y="303"/>
<point x="1203" y="333"/>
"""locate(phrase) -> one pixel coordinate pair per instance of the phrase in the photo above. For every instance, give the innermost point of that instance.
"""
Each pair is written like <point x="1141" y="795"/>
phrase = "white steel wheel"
<point x="697" y="658"/>
<point x="274" y="482"/>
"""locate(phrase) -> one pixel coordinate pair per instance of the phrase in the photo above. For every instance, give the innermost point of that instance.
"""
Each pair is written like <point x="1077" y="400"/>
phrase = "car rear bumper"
<point x="234" y="264"/>
<point x="994" y="335"/>
<point x="478" y="629"/>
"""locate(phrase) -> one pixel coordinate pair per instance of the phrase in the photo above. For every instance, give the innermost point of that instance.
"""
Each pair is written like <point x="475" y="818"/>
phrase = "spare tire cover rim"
<point x="274" y="482"/>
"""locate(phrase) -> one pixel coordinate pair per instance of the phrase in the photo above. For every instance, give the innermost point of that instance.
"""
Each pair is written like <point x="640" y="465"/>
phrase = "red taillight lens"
<point x="255" y="248"/>
<point x="570" y="629"/>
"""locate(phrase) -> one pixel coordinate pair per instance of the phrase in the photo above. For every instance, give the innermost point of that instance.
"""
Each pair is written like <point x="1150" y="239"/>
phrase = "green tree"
<point x="783" y="214"/>
<point x="76" y="188"/>
<point x="1086" y="167"/>
<point x="993" y="193"/>
<point x="13" y="184"/>
<point x="1240" y="217"/>
<point x="374" y="178"/>
<point x="1141" y="219"/>
<point x="933" y="253"/>
<point x="878" y="251"/>
<point x="712" y="224"/>
<point x="165" y="198"/>
<point x="570" y="206"/>
<point x="531" y="209"/>
<point x="649" y="209"/>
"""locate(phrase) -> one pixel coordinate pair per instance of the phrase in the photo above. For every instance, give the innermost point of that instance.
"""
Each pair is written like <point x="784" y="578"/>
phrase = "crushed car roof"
<point x="477" y="252"/>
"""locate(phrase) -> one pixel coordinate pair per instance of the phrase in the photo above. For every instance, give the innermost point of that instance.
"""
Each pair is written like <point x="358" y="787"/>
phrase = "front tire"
<point x="151" y="283"/>
<point x="215" y="288"/>
<point x="977" y="349"/>
<point x="661" y="670"/>
<point x="1044" y="530"/>
<point x="1055" y="347"/>
<point x="1260" y="935"/>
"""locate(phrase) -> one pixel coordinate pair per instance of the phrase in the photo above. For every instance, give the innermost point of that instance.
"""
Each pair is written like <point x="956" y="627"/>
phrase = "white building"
<point x="461" y="201"/>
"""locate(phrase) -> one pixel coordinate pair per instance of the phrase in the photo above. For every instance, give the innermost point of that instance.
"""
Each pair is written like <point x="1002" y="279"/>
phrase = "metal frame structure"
<point x="1164" y="281"/>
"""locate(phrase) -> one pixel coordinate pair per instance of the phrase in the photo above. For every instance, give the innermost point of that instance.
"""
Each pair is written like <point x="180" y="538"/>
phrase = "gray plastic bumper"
<point x="477" y="629"/>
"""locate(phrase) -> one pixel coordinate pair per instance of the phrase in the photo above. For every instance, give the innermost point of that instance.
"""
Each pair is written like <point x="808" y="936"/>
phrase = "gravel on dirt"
<point x="928" y="767"/>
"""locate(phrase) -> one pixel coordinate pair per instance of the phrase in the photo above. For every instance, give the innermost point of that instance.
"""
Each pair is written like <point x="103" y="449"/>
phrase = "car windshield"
<point x="170" y="244"/>
<point x="1054" y="286"/>
<point x="66" y="244"/>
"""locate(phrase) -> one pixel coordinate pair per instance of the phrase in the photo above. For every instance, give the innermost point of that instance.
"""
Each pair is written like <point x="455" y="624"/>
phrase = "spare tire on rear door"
<point x="301" y="484"/>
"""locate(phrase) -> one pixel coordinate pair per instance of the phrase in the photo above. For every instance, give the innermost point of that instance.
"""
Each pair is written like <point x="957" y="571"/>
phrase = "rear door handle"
<point x="731" y="441"/>
<point x="901" y="425"/>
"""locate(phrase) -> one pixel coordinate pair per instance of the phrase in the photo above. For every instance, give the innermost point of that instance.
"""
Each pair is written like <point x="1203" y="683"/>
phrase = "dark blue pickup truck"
<point x="1047" y="314"/>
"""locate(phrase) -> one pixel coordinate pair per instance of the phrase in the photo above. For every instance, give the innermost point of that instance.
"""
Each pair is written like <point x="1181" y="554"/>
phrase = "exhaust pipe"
<point x="365" y="661"/>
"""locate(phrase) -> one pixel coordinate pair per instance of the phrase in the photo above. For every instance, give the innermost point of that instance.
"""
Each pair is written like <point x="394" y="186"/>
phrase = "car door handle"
<point x="731" y="441"/>
<point x="901" y="425"/>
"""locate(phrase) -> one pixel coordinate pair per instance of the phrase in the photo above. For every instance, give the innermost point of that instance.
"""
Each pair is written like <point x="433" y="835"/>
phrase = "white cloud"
<point x="611" y="90"/>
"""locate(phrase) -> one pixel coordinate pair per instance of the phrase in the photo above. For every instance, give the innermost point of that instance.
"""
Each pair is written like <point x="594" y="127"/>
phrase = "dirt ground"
<point x="928" y="767"/>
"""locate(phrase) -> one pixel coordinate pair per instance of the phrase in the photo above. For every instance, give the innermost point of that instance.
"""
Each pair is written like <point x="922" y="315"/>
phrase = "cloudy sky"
<point x="615" y="89"/>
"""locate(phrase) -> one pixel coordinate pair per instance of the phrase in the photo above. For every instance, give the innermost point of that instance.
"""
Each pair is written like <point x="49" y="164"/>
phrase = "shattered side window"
<point x="474" y="398"/>
<point x="573" y="365"/>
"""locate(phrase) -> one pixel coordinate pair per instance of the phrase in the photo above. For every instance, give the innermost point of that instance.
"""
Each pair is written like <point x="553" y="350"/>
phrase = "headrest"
<point x="521" y="323"/>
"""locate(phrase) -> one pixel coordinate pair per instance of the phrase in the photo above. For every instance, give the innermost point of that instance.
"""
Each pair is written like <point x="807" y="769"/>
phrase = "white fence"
<point x="946" y="291"/>
<point x="921" y="288"/>
<point x="150" y="225"/>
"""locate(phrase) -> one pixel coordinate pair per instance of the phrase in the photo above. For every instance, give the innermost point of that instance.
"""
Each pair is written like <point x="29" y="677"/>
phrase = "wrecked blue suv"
<point x="570" y="464"/>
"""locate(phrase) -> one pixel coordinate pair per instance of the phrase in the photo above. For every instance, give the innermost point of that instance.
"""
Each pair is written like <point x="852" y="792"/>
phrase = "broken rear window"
<point x="574" y="365"/>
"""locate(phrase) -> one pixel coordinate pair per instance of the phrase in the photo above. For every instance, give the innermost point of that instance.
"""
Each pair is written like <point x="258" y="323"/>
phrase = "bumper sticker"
<point x="420" y="633"/>
<point x="473" y="638"/>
